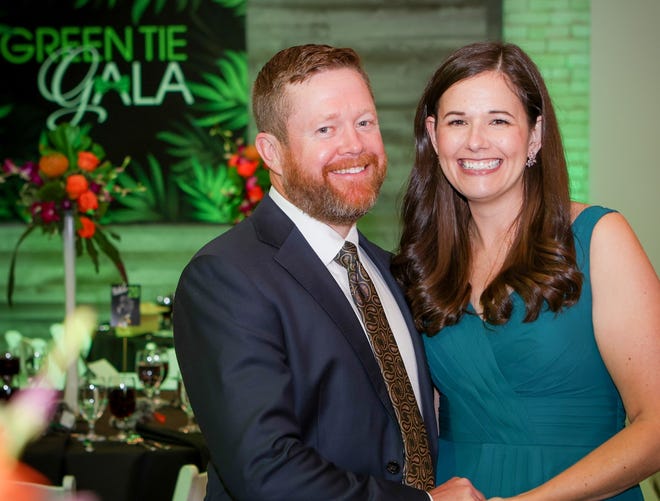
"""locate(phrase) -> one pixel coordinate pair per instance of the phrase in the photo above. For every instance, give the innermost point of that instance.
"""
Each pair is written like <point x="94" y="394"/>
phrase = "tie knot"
<point x="347" y="254"/>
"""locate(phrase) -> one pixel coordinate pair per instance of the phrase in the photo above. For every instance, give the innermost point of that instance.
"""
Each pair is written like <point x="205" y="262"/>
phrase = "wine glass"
<point x="10" y="367"/>
<point x="190" y="426"/>
<point x="92" y="400"/>
<point x="122" y="403"/>
<point x="161" y="354"/>
<point x="149" y="368"/>
<point x="35" y="354"/>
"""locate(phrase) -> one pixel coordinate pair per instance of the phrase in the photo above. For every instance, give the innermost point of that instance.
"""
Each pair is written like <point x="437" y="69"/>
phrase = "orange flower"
<point x="88" y="227"/>
<point x="87" y="161"/>
<point x="88" y="201"/>
<point x="53" y="164"/>
<point x="250" y="152"/>
<point x="255" y="194"/>
<point x="76" y="185"/>
<point x="246" y="160"/>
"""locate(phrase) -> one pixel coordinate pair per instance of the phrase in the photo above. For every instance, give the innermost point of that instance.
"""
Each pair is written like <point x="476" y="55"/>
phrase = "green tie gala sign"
<point x="161" y="83"/>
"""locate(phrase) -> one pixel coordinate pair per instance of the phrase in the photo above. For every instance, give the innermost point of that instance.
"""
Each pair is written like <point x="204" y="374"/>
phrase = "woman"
<point x="541" y="316"/>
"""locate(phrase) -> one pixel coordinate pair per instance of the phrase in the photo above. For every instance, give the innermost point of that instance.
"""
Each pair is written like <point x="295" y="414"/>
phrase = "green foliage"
<point x="239" y="6"/>
<point x="11" y="207"/>
<point x="141" y="6"/>
<point x="150" y="196"/>
<point x="224" y="100"/>
<point x="189" y="141"/>
<point x="69" y="140"/>
<point x="215" y="194"/>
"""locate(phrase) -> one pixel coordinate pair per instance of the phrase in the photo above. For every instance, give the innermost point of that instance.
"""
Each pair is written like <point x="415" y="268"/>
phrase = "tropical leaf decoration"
<point x="214" y="193"/>
<point x="189" y="141"/>
<point x="150" y="195"/>
<point x="223" y="100"/>
<point x="239" y="6"/>
<point x="232" y="187"/>
<point x="140" y="6"/>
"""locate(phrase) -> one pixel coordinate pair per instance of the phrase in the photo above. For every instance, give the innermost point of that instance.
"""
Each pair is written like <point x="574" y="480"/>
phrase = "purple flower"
<point x="46" y="211"/>
<point x="30" y="171"/>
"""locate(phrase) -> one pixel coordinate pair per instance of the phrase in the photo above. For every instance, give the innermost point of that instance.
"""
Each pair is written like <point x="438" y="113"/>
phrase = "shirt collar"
<point x="325" y="241"/>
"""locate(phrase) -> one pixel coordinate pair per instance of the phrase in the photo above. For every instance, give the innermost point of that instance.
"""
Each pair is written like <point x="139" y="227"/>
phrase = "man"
<point x="277" y="360"/>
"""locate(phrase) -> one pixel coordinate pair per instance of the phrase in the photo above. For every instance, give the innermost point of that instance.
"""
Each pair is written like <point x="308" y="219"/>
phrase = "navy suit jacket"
<point x="280" y="373"/>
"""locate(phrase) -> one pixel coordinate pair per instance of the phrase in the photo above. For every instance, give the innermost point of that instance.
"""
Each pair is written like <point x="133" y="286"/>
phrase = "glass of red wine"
<point x="122" y="403"/>
<point x="150" y="370"/>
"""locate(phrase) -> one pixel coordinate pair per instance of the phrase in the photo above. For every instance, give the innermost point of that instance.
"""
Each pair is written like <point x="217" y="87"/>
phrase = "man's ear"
<point x="270" y="150"/>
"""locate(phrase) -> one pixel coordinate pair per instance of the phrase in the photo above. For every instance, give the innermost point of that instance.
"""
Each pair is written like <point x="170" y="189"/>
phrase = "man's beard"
<point x="325" y="202"/>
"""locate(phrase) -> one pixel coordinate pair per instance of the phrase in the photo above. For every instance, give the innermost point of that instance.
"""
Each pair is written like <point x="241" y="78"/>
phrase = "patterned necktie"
<point x="418" y="470"/>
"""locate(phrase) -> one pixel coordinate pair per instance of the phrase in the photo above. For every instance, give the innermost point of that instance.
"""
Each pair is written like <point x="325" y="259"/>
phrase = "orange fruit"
<point x="53" y="164"/>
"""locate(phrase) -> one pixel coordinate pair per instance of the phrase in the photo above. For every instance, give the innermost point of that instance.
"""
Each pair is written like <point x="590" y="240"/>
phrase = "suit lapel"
<point x="301" y="262"/>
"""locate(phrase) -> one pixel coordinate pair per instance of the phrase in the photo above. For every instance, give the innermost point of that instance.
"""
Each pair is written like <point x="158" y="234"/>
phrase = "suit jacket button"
<point x="393" y="467"/>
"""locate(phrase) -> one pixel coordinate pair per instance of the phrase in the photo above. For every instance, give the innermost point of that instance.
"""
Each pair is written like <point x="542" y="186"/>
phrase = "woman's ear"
<point x="535" y="138"/>
<point x="270" y="150"/>
<point x="430" y="130"/>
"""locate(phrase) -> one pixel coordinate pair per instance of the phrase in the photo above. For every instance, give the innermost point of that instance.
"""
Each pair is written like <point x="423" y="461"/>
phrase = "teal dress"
<point x="522" y="402"/>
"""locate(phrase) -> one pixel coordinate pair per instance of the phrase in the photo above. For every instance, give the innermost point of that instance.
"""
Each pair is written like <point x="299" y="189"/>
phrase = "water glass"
<point x="92" y="400"/>
<point x="190" y="426"/>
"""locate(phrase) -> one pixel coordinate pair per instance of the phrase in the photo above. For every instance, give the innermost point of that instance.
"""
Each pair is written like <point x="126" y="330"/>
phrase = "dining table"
<point x="145" y="470"/>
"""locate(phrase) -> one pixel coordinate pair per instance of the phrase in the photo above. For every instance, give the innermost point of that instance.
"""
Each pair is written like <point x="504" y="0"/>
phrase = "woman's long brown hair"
<point x="434" y="259"/>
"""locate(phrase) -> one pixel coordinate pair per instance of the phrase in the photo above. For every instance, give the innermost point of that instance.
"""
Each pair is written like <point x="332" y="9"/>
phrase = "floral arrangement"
<point x="71" y="175"/>
<point x="253" y="177"/>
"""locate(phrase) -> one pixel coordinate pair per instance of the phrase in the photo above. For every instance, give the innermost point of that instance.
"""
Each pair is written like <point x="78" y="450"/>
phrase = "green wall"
<point x="556" y="34"/>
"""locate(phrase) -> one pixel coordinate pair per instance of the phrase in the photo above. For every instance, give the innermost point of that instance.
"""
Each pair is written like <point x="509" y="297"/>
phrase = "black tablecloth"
<point x="118" y="471"/>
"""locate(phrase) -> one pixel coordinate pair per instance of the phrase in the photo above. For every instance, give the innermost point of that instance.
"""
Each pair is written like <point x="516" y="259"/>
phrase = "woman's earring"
<point x="531" y="160"/>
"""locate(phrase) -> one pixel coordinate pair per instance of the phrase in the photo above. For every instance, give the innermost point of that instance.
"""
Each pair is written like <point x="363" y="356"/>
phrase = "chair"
<point x="651" y="488"/>
<point x="42" y="492"/>
<point x="190" y="484"/>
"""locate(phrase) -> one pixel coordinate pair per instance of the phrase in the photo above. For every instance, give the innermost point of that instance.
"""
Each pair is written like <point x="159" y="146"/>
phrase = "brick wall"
<point x="556" y="34"/>
<point x="401" y="43"/>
